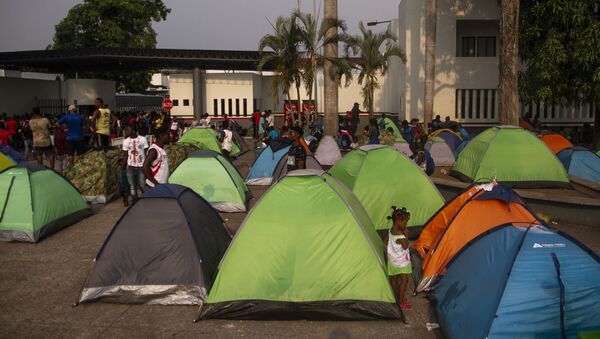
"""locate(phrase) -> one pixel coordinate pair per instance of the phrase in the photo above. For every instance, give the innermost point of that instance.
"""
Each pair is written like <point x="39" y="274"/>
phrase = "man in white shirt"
<point x="134" y="149"/>
<point x="270" y="119"/>
<point x="156" y="165"/>
<point x="205" y="121"/>
<point x="226" y="139"/>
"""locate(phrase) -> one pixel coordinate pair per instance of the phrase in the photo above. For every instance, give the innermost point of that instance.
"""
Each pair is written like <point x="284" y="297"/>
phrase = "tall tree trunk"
<point x="331" y="84"/>
<point x="509" y="63"/>
<point x="371" y="94"/>
<point x="299" y="103"/>
<point x="308" y="113"/>
<point x="430" y="47"/>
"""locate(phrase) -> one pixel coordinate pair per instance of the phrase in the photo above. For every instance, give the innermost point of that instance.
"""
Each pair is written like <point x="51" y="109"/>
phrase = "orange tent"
<point x="555" y="142"/>
<point x="470" y="214"/>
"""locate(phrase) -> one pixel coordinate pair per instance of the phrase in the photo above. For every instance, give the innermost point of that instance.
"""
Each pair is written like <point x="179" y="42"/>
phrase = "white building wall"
<point x="230" y="86"/>
<point x="452" y="72"/>
<point x="17" y="96"/>
<point x="181" y="88"/>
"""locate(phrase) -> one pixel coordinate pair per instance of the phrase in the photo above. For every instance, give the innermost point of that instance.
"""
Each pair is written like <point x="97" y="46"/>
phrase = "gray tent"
<point x="328" y="151"/>
<point x="164" y="250"/>
<point x="281" y="169"/>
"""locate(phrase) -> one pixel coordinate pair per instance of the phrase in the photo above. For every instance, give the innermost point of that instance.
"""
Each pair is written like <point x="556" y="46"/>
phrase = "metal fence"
<point x="138" y="102"/>
<point x="482" y="106"/>
<point x="51" y="106"/>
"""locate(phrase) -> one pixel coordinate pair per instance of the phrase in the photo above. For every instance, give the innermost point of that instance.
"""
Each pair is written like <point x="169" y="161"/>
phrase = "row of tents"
<point x="486" y="258"/>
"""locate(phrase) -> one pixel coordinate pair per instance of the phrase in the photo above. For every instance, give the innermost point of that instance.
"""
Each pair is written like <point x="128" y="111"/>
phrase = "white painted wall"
<point x="180" y="85"/>
<point x="17" y="96"/>
<point x="452" y="72"/>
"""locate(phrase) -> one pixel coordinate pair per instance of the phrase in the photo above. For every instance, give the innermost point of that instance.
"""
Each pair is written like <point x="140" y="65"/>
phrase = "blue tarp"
<point x="262" y="170"/>
<point x="581" y="162"/>
<point x="509" y="282"/>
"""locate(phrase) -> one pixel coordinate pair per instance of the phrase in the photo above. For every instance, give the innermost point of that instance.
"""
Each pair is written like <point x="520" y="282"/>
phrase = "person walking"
<point x="73" y="123"/>
<point x="226" y="139"/>
<point x="156" y="164"/>
<point x="42" y="144"/>
<point x="134" y="148"/>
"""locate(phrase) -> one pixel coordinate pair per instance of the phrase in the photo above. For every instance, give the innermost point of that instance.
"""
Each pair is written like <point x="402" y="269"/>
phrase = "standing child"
<point x="398" y="263"/>
<point x="123" y="183"/>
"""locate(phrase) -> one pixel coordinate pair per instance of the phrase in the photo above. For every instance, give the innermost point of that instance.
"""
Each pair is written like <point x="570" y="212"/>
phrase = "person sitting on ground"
<point x="156" y="165"/>
<point x="446" y="123"/>
<point x="134" y="148"/>
<point x="42" y="144"/>
<point x="387" y="136"/>
<point x="422" y="157"/>
<point x="296" y="158"/>
<point x="344" y="139"/>
<point x="436" y="123"/>
<point x="399" y="266"/>
<point x="381" y="122"/>
<point x="273" y="134"/>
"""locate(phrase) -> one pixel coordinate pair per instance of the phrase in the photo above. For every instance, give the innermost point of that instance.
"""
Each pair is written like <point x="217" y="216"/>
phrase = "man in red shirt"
<point x="12" y="126"/>
<point x="255" y="122"/>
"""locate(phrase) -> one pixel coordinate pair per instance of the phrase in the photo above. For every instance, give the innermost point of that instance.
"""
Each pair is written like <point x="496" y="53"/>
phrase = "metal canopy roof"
<point x="127" y="59"/>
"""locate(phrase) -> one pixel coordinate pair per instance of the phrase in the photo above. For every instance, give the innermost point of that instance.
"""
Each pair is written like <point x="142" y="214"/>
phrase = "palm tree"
<point x="331" y="84"/>
<point x="279" y="50"/>
<point x="430" y="47"/>
<point x="312" y="39"/>
<point x="373" y="62"/>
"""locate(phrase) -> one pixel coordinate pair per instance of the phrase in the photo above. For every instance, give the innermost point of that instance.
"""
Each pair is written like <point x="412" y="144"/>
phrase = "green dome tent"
<point x="382" y="177"/>
<point x="206" y="138"/>
<point x="215" y="179"/>
<point x="389" y="123"/>
<point x="36" y="201"/>
<point x="290" y="261"/>
<point x="511" y="155"/>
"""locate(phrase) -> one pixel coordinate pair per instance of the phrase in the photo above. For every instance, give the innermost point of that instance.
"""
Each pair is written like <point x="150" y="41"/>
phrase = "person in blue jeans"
<point x="134" y="154"/>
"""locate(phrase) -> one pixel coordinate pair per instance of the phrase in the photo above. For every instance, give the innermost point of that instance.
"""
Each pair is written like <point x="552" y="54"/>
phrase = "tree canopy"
<point x="112" y="24"/>
<point x="560" y="47"/>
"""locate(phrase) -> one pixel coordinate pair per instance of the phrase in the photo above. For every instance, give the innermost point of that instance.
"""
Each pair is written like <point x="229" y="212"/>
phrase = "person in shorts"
<point x="73" y="123"/>
<point x="42" y="143"/>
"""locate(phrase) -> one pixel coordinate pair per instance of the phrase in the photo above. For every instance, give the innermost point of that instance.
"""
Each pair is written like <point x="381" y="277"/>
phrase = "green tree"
<point x="112" y="24"/>
<point x="280" y="50"/>
<point x="560" y="49"/>
<point x="312" y="40"/>
<point x="375" y="50"/>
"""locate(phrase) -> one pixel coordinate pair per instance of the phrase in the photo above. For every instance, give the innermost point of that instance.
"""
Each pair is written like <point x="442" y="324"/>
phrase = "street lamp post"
<point x="374" y="23"/>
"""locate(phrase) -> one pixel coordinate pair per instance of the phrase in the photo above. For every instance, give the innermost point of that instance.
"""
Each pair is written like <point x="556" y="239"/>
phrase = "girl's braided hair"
<point x="401" y="212"/>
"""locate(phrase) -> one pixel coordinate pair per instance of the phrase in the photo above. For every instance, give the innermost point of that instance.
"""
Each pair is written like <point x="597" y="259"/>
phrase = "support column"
<point x="197" y="98"/>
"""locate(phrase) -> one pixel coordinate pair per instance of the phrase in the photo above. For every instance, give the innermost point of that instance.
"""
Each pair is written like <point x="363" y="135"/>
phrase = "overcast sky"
<point x="193" y="24"/>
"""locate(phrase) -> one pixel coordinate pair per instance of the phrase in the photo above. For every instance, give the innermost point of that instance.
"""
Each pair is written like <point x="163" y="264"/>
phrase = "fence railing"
<point x="51" y="106"/>
<point x="482" y="106"/>
<point x="137" y="102"/>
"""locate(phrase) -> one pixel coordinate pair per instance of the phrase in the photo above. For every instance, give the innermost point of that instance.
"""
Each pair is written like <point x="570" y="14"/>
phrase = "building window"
<point x="222" y="106"/>
<point x="186" y="102"/>
<point x="175" y="102"/>
<point x="237" y="107"/>
<point x="468" y="46"/>
<point x="477" y="38"/>
<point x="486" y="46"/>
<point x="215" y="107"/>
<point x="245" y="106"/>
<point x="230" y="102"/>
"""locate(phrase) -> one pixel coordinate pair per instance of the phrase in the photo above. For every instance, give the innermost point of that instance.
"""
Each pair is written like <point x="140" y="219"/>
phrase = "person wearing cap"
<point x="296" y="158"/>
<point x="398" y="257"/>
<point x="73" y="124"/>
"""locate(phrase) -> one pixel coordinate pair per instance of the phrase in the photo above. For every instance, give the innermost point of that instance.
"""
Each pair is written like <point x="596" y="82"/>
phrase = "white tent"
<point x="441" y="153"/>
<point x="402" y="147"/>
<point x="328" y="151"/>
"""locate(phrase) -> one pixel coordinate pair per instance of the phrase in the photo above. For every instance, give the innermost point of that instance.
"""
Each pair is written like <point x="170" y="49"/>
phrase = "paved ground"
<point x="38" y="284"/>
